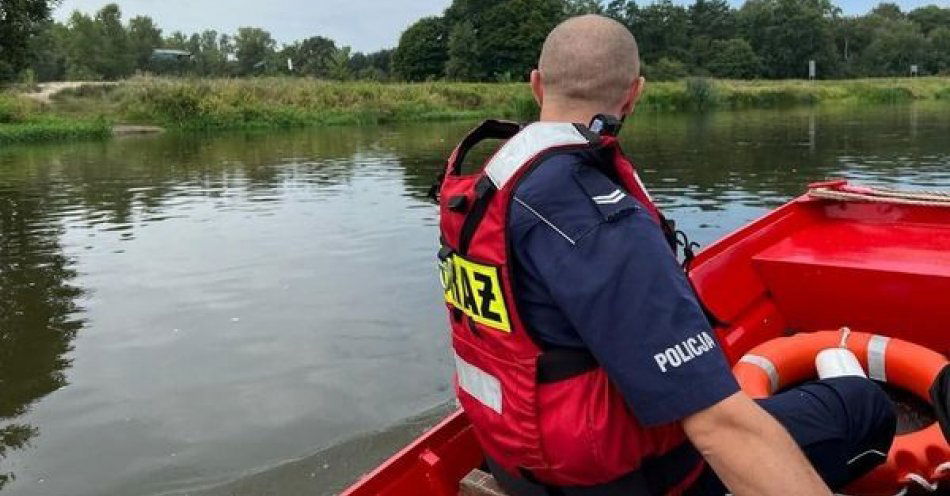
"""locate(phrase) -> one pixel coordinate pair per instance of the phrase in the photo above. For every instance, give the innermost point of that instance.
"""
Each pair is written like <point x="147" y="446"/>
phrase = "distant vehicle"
<point x="168" y="60"/>
<point x="169" y="54"/>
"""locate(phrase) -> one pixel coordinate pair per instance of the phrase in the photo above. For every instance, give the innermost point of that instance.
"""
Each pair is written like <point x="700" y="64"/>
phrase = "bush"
<point x="28" y="81"/>
<point x="701" y="93"/>
<point x="523" y="107"/>
<point x="12" y="109"/>
<point x="734" y="59"/>
<point x="885" y="94"/>
<point x="665" y="70"/>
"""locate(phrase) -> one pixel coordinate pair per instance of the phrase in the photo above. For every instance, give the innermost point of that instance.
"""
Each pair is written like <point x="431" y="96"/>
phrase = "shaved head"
<point x="589" y="60"/>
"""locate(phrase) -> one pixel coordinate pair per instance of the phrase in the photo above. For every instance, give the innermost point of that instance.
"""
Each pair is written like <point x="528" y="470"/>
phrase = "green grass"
<point x="700" y="93"/>
<point x="24" y="121"/>
<point x="282" y="102"/>
<point x="287" y="102"/>
<point x="53" y="129"/>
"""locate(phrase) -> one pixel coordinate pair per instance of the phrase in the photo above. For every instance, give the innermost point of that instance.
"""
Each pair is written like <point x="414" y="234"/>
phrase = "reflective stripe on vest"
<point x="529" y="142"/>
<point x="481" y="385"/>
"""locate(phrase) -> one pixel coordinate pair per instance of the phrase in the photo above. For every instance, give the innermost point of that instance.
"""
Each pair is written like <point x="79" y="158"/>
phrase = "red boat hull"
<point x="812" y="264"/>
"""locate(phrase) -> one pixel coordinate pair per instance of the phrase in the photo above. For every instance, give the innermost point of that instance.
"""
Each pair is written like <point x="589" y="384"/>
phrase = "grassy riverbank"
<point x="288" y="102"/>
<point x="24" y="121"/>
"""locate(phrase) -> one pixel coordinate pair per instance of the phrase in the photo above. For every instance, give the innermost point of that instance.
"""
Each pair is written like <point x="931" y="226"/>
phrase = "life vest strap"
<point x="558" y="364"/>
<point x="484" y="191"/>
<point x="656" y="475"/>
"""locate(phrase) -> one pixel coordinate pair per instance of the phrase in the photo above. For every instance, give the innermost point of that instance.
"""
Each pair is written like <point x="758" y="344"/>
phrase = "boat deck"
<point x="813" y="264"/>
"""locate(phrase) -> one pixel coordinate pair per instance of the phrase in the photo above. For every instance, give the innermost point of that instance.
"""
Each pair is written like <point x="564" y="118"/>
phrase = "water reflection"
<point x="233" y="301"/>
<point x="716" y="171"/>
<point x="38" y="311"/>
<point x="762" y="158"/>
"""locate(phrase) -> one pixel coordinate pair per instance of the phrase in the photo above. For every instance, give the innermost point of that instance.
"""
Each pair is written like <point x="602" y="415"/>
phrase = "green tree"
<point x="115" y="60"/>
<point x="709" y="21"/>
<point x="734" y="59"/>
<point x="939" y="39"/>
<point x="662" y="30"/>
<point x="84" y="57"/>
<point x="463" y="62"/>
<point x="177" y="40"/>
<point x="254" y="48"/>
<point x="511" y="33"/>
<point x="930" y="17"/>
<point x="227" y="48"/>
<point x="208" y="57"/>
<point x="850" y="35"/>
<point x="581" y="7"/>
<point x="20" y="22"/>
<point x="714" y="19"/>
<point x="422" y="50"/>
<point x="312" y="56"/>
<point x="340" y="64"/>
<point x="888" y="10"/>
<point x="48" y="52"/>
<point x="144" y="38"/>
<point x="896" y="45"/>
<point x="786" y="34"/>
<point x="665" y="69"/>
<point x="468" y="10"/>
<point x="376" y="66"/>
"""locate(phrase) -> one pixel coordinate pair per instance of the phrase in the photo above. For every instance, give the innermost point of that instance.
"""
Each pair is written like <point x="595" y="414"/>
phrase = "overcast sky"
<point x="366" y="25"/>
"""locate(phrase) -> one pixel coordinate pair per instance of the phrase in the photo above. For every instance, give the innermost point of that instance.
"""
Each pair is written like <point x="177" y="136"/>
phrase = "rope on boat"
<point x="845" y="333"/>
<point x="841" y="191"/>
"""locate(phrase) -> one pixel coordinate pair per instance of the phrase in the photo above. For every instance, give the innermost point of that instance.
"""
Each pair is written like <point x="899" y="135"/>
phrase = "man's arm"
<point x="750" y="451"/>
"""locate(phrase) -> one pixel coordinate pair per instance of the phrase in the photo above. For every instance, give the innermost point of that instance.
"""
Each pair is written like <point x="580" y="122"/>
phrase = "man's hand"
<point x="750" y="451"/>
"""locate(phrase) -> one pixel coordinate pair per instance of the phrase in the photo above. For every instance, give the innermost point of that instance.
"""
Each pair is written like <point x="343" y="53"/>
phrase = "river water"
<point x="181" y="312"/>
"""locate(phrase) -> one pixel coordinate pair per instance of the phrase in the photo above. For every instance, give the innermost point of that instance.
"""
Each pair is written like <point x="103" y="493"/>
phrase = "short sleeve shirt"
<point x="593" y="270"/>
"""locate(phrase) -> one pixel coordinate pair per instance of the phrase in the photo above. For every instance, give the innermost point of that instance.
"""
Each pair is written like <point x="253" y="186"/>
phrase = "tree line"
<point x="500" y="40"/>
<point x="495" y="40"/>
<point x="103" y="47"/>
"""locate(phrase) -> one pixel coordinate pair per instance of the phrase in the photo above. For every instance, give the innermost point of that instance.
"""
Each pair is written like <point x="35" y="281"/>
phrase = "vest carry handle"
<point x="489" y="129"/>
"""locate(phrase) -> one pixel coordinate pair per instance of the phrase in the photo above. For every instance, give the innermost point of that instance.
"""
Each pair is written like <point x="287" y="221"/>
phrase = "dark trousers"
<point x="845" y="426"/>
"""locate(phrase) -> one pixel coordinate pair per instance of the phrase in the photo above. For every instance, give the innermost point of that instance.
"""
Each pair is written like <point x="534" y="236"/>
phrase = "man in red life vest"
<point x="584" y="360"/>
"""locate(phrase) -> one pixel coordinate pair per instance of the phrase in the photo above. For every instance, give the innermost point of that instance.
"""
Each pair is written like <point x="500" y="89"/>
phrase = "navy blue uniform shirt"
<point x="593" y="270"/>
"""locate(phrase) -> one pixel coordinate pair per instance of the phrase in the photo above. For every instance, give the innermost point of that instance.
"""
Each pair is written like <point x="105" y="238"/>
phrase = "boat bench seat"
<point x="869" y="276"/>
<point x="479" y="483"/>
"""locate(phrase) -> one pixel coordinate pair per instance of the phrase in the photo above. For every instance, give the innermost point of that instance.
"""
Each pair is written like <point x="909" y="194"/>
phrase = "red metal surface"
<point x="433" y="464"/>
<point x="892" y="279"/>
<point x="811" y="264"/>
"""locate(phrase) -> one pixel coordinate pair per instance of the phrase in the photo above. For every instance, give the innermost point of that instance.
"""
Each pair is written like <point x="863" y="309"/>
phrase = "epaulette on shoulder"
<point x="610" y="200"/>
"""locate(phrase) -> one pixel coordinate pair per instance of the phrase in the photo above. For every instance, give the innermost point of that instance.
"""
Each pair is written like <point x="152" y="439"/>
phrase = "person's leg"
<point x="844" y="425"/>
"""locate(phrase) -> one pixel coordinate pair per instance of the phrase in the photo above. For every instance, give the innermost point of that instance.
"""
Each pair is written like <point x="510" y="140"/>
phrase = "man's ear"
<point x="633" y="96"/>
<point x="536" y="87"/>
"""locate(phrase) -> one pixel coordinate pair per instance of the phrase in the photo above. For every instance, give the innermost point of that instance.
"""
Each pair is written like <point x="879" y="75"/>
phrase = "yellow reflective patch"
<point x="475" y="289"/>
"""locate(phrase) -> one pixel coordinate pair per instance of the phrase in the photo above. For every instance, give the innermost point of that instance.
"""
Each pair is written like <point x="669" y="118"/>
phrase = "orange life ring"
<point x="916" y="458"/>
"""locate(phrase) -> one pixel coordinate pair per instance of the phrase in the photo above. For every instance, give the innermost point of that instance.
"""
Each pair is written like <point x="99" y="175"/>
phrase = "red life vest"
<point x="550" y="415"/>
